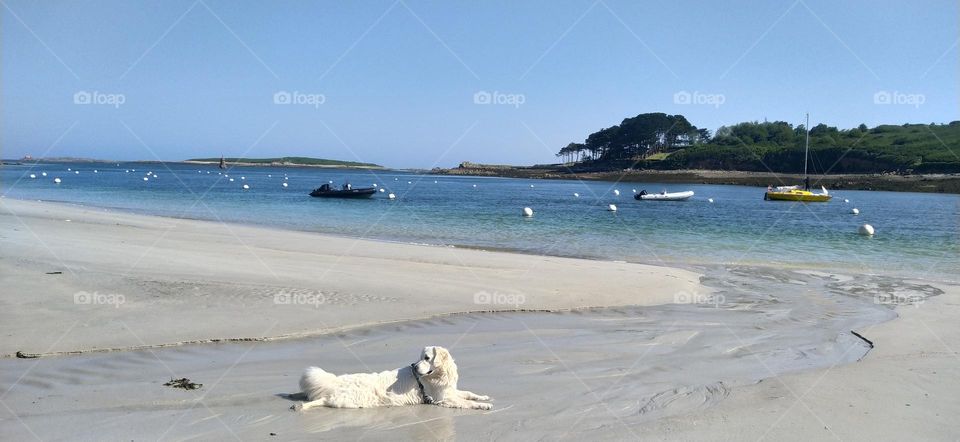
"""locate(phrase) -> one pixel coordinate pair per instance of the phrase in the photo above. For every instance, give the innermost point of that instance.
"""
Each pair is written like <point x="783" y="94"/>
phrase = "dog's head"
<point x="436" y="363"/>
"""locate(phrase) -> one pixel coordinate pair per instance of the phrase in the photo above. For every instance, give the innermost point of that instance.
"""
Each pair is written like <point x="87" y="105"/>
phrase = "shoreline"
<point x="683" y="264"/>
<point x="918" y="183"/>
<point x="930" y="183"/>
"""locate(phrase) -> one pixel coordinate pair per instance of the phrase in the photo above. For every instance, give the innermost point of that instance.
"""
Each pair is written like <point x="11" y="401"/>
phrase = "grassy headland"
<point x="668" y="148"/>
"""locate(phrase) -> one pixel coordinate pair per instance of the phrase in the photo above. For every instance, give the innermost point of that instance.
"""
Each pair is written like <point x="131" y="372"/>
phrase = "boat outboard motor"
<point x="639" y="195"/>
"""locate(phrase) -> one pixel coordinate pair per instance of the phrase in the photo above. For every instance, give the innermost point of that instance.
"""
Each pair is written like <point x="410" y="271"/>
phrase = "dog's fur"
<point x="437" y="372"/>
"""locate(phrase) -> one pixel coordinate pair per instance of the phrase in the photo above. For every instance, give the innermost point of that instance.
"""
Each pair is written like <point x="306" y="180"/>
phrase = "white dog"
<point x="430" y="380"/>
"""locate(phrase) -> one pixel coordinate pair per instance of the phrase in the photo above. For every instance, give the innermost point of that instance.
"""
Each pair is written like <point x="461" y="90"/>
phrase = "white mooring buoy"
<point x="855" y="211"/>
<point x="392" y="196"/>
<point x="528" y="212"/>
<point x="612" y="208"/>
<point x="866" y="230"/>
<point x="616" y="192"/>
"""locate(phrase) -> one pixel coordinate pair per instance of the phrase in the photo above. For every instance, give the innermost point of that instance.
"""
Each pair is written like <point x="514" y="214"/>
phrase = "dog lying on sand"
<point x="430" y="380"/>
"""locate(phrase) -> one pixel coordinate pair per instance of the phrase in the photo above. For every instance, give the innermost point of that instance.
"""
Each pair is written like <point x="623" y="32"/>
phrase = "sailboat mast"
<point x="806" y="149"/>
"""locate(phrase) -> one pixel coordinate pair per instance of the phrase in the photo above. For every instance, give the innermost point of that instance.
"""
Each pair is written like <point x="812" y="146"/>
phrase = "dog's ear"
<point x="442" y="355"/>
<point x="446" y="367"/>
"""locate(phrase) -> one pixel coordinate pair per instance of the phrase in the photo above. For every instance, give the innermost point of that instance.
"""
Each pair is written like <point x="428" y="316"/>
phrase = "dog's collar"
<point x="423" y="393"/>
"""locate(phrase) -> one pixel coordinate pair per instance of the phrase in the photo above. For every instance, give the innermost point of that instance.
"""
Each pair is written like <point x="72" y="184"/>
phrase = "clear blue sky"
<point x="398" y="78"/>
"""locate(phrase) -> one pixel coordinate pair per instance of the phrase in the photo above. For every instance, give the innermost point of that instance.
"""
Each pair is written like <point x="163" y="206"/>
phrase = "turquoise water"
<point x="917" y="234"/>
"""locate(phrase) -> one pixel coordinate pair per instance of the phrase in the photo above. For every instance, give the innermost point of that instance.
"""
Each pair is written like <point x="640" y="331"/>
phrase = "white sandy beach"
<point x="779" y="366"/>
<point x="186" y="280"/>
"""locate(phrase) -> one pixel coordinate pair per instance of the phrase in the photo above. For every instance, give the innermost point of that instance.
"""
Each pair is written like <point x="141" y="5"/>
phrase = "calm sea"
<point x="917" y="234"/>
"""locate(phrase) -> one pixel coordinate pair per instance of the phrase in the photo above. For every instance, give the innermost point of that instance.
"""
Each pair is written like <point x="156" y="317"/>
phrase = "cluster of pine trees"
<point x="661" y="141"/>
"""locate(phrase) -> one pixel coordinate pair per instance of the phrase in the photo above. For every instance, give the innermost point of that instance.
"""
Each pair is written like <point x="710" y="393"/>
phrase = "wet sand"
<point x="718" y="353"/>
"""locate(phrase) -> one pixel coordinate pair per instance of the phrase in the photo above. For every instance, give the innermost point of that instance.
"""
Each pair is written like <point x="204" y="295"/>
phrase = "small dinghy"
<point x="663" y="196"/>
<point x="347" y="191"/>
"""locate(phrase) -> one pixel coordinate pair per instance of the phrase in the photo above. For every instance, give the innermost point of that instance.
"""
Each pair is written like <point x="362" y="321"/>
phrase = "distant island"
<point x="279" y="162"/>
<point x="668" y="148"/>
<point x="287" y="161"/>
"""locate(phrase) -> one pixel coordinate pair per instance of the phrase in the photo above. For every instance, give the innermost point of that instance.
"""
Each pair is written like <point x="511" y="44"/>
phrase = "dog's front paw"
<point x="482" y="406"/>
<point x="484" y="398"/>
<point x="298" y="407"/>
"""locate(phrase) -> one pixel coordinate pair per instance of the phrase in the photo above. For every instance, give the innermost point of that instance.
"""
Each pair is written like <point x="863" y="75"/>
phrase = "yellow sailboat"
<point x="797" y="195"/>
<point x="793" y="193"/>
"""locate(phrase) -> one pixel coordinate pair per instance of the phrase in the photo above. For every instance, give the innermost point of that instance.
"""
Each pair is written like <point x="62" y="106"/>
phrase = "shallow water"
<point x="553" y="375"/>
<point x="917" y="234"/>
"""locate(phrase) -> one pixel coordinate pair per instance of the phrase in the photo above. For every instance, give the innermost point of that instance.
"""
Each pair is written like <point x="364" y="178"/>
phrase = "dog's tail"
<point x="317" y="383"/>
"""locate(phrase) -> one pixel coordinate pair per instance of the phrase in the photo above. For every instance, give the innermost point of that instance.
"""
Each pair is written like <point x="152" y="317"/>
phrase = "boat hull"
<point x="797" y="195"/>
<point x="352" y="193"/>
<point x="675" y="196"/>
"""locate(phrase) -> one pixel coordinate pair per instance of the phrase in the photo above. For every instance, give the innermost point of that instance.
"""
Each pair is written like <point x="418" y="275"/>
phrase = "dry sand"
<point x="154" y="281"/>
<point x="764" y="354"/>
